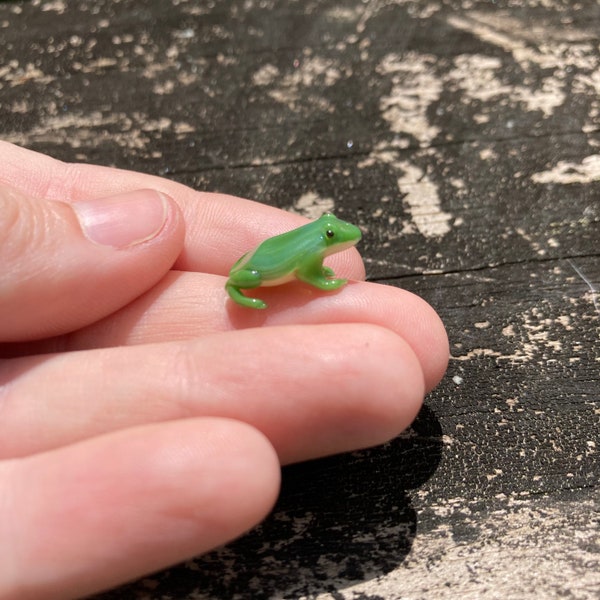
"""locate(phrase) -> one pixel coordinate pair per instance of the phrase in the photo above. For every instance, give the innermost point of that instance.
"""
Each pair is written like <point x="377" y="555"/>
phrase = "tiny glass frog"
<point x="297" y="254"/>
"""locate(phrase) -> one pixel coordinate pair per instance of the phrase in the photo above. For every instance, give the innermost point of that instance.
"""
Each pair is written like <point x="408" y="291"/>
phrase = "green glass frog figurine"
<point x="297" y="254"/>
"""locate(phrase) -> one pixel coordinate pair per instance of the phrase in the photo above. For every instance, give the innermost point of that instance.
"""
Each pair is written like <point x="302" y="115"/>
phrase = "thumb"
<point x="65" y="265"/>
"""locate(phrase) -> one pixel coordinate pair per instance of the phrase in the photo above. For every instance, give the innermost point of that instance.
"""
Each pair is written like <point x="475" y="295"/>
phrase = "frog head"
<point x="337" y="235"/>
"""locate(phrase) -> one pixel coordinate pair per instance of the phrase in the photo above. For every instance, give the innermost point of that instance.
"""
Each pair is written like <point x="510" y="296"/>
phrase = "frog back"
<point x="278" y="258"/>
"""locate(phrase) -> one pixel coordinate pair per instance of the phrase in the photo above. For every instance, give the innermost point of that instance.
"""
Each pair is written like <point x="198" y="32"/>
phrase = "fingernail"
<point x="123" y="220"/>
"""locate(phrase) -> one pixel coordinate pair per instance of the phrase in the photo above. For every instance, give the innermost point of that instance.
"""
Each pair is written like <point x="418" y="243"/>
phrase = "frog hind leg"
<point x="237" y="296"/>
<point x="244" y="280"/>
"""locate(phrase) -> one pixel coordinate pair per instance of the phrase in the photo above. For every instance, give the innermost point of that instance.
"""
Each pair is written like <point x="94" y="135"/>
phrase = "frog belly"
<point x="279" y="280"/>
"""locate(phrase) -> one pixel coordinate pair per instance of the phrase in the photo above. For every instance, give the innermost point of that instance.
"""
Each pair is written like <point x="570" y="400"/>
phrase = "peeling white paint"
<point x="312" y="206"/>
<point x="266" y="75"/>
<point x="479" y="77"/>
<point x="415" y="86"/>
<point x="476" y="75"/>
<point x="544" y="46"/>
<point x="503" y="560"/>
<point x="568" y="172"/>
<point x="57" y="6"/>
<point x="550" y="96"/>
<point x="588" y="85"/>
<point x="423" y="202"/>
<point x="509" y="330"/>
<point x="310" y="74"/>
<point x="339" y="13"/>
<point x="488" y="154"/>
<point x="420" y="194"/>
<point x="15" y="74"/>
<point x="541" y="46"/>
<point x="131" y="128"/>
<point x="479" y="352"/>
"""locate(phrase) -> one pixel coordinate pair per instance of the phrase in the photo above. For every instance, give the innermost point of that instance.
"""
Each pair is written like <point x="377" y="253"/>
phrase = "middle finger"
<point x="188" y="305"/>
<point x="312" y="390"/>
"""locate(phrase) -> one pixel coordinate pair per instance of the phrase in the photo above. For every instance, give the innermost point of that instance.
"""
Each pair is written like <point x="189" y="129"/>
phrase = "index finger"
<point x="219" y="228"/>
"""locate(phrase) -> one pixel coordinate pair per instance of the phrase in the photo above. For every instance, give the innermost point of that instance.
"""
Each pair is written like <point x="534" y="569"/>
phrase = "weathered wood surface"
<point x="464" y="138"/>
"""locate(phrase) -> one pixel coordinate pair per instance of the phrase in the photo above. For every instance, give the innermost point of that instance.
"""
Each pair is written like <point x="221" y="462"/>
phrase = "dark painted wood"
<point x="464" y="138"/>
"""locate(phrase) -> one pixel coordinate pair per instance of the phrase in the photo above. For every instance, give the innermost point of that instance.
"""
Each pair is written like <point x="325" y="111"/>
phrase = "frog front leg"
<point x="319" y="276"/>
<point x="245" y="279"/>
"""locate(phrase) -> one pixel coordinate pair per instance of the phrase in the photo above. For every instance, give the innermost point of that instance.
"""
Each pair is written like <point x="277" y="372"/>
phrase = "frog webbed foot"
<point x="330" y="284"/>
<point x="322" y="279"/>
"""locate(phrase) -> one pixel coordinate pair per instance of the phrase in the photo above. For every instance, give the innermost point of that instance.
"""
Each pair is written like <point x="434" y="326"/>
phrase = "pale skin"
<point x="156" y="431"/>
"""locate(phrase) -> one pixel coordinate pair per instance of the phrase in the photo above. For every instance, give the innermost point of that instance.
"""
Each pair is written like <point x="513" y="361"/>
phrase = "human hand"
<point x="144" y="415"/>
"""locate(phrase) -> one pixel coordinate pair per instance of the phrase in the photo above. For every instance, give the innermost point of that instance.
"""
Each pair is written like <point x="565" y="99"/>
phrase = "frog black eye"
<point x="329" y="233"/>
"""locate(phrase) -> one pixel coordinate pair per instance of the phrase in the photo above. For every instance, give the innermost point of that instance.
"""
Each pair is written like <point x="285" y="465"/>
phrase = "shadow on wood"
<point x="339" y="520"/>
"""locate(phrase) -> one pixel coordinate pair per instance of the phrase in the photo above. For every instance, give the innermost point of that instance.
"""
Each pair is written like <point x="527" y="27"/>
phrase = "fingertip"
<point x="410" y="317"/>
<point x="113" y="508"/>
<point x="402" y="312"/>
<point x="252" y="467"/>
<point x="388" y="390"/>
<point x="408" y="387"/>
<point x="434" y="346"/>
<point x="365" y="387"/>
